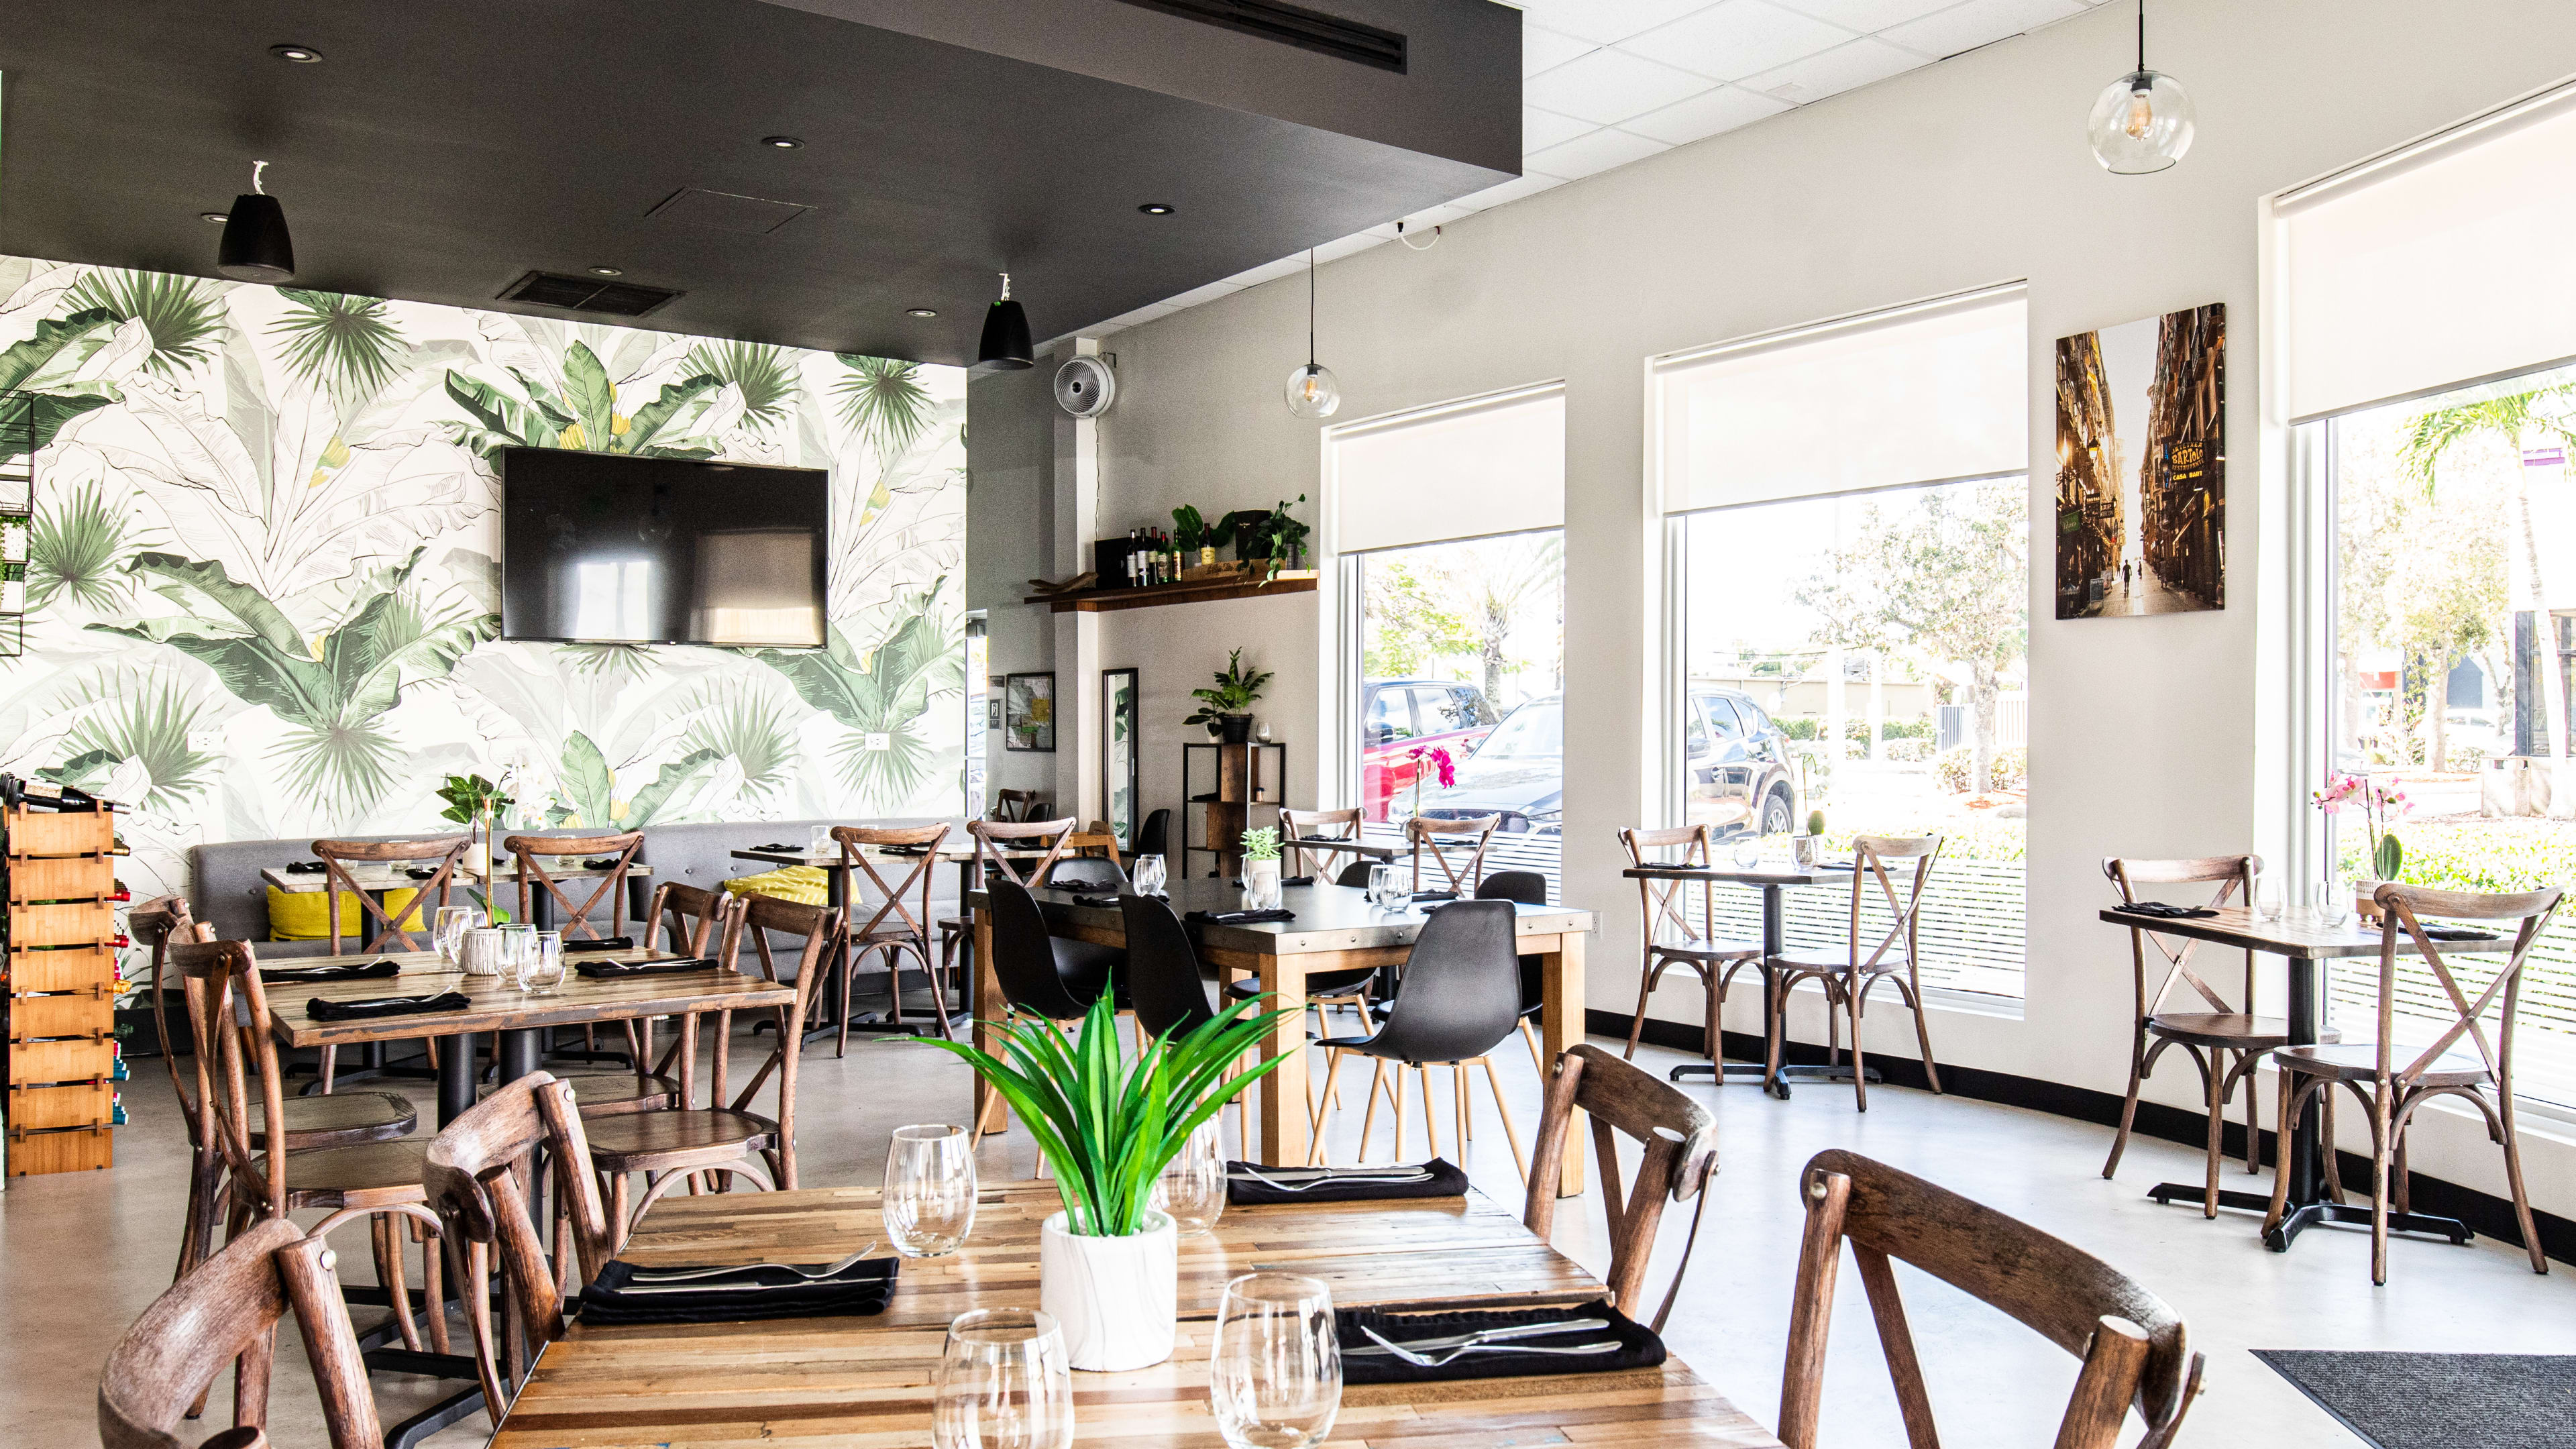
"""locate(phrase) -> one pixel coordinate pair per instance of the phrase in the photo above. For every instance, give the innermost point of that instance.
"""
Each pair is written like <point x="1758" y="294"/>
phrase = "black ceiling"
<point x="442" y="149"/>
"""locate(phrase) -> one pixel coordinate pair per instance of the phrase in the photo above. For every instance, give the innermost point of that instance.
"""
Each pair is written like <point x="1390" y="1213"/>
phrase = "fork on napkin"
<point x="1585" y="1338"/>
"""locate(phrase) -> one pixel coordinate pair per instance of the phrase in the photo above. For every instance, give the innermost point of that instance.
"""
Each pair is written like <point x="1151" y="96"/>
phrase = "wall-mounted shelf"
<point x="1102" y="601"/>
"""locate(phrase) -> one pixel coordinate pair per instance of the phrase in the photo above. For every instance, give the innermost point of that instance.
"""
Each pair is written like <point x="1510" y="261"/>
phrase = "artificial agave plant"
<point x="1107" y="1123"/>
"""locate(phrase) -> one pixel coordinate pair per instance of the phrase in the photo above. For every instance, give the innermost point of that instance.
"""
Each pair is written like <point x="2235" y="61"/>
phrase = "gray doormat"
<point x="2440" y="1400"/>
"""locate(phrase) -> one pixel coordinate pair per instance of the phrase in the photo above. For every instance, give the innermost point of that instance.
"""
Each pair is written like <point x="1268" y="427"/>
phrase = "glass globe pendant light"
<point x="2143" y="121"/>
<point x="1312" y="391"/>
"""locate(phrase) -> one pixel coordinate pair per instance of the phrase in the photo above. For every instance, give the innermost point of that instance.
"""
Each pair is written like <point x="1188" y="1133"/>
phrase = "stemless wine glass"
<point x="1382" y="887"/>
<point x="448" y="932"/>
<point x="1003" y="1383"/>
<point x="929" y="1198"/>
<point x="2334" y="900"/>
<point x="1748" y="850"/>
<point x="1192" y="1187"/>
<point x="2267" y="901"/>
<point x="1275" y="1379"/>
<point x="518" y="938"/>
<point x="818" y="842"/>
<point x="541" y="966"/>
<point x="1149" y="875"/>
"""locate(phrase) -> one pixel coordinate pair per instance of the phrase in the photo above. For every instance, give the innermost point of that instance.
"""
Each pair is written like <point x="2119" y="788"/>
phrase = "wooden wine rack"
<point x="62" y="983"/>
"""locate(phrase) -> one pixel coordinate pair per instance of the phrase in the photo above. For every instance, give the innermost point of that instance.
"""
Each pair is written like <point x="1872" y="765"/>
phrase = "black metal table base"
<point x="1755" y="1071"/>
<point x="2300" y="1219"/>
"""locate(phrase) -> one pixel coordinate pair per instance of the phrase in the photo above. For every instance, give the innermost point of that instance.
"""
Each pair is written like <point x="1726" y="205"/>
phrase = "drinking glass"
<point x="819" y="842"/>
<point x="447" y="932"/>
<point x="2334" y="900"/>
<point x="1002" y="1383"/>
<point x="1383" y="890"/>
<point x="541" y="966"/>
<point x="1275" y="1379"/>
<point x="2267" y="902"/>
<point x="1149" y="875"/>
<point x="929" y="1198"/>
<point x="1261" y="892"/>
<point x="1748" y="851"/>
<point x="518" y="939"/>
<point x="1192" y="1187"/>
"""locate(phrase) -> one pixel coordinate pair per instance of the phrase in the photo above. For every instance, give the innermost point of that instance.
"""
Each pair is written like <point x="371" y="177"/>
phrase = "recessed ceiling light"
<point x="300" y="54"/>
<point x="782" y="143"/>
<point x="605" y="271"/>
<point x="1156" y="208"/>
<point x="217" y="217"/>
<point x="920" y="312"/>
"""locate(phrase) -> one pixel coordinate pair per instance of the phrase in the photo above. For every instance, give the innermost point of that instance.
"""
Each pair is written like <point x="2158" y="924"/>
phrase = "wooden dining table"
<point x="868" y="1380"/>
<point x="1773" y="881"/>
<point x="498" y="1005"/>
<point x="1336" y="929"/>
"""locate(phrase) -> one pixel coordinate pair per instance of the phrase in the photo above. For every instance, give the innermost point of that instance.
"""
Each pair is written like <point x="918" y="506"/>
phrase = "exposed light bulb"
<point x="2142" y="113"/>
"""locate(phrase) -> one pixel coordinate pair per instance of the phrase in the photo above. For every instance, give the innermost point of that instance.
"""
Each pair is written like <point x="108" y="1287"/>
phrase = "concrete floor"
<point x="81" y="1256"/>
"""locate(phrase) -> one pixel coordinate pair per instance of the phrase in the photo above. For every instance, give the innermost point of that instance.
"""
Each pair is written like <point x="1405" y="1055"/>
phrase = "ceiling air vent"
<point x="586" y="294"/>
<point x="1289" y="25"/>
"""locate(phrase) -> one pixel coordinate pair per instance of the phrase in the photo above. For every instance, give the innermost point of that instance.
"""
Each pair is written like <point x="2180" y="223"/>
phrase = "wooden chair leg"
<point x="2281" y="1160"/>
<point x="1502" y="1109"/>
<point x="389" y="1273"/>
<point x="2398" y="1176"/>
<point x="2326" y="1133"/>
<point x="1646" y="977"/>
<point x="2247" y="1062"/>
<point x="1430" y="1116"/>
<point x="1398" y="1155"/>
<point x="1368" y="1121"/>
<point x="1855" y="1000"/>
<point x="618" y="1190"/>
<point x="838" y="976"/>
<point x="1922" y="1032"/>
<point x="1317" y="1109"/>
<point x="938" y="995"/>
<point x="1538" y="1058"/>
<point x="1458" y="1103"/>
<point x="2215" y="1073"/>
<point x="2513" y="1179"/>
<point x="2128" y="1105"/>
<point x="2380" y="1130"/>
<point x="433" y="1285"/>
<point x="330" y="1067"/>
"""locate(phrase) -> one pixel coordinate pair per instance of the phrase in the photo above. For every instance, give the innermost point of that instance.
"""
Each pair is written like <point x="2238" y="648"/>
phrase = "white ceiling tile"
<point x="1596" y="152"/>
<point x="1208" y="293"/>
<point x="1978" y="22"/>
<point x="1609" y="86"/>
<point x="1866" y="15"/>
<point x="1508" y="192"/>
<point x="1603" y="21"/>
<point x="1835" y="71"/>
<point x="1542" y="129"/>
<point x="1543" y="49"/>
<point x="1736" y="39"/>
<point x="1705" y="114"/>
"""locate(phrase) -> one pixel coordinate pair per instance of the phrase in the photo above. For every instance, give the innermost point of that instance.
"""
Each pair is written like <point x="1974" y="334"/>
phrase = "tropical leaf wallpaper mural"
<point x="263" y="597"/>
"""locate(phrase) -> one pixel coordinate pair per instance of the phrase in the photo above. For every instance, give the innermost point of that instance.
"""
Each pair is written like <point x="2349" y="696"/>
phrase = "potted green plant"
<point x="2380" y="804"/>
<point x="1190" y="532"/>
<point x="1108" y="1123"/>
<point x="476" y="803"/>
<point x="1261" y="867"/>
<point x="1225" y="709"/>
<point x="1287" y="537"/>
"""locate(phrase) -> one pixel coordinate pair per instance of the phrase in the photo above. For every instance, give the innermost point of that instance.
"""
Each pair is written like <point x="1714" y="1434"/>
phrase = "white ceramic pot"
<point x="479" y="954"/>
<point x="1116" y="1299"/>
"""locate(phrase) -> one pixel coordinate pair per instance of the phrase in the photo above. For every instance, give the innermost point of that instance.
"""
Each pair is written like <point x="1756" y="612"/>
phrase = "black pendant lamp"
<point x="255" y="246"/>
<point x="1006" y="334"/>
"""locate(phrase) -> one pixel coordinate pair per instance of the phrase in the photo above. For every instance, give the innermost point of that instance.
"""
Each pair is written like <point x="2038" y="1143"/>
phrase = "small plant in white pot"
<point x="1108" y="1124"/>
<point x="1261" y="868"/>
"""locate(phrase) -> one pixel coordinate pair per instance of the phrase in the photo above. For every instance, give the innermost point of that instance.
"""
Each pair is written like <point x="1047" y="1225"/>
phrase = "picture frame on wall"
<point x="1028" y="713"/>
<point x="2142" y="466"/>
<point x="1121" y="728"/>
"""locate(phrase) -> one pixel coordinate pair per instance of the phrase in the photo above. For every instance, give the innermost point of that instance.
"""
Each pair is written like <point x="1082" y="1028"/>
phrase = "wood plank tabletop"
<point x="499" y="1004"/>
<point x="868" y="1380"/>
<point x="2296" y="934"/>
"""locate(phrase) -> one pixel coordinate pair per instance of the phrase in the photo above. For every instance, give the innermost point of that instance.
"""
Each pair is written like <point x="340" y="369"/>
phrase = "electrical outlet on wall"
<point x="877" y="741"/>
<point x="205" y="742"/>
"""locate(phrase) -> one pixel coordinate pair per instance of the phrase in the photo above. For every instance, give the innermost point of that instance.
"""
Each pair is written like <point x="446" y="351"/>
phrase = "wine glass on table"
<point x="1003" y="1382"/>
<point x="1275" y="1378"/>
<point x="929" y="1197"/>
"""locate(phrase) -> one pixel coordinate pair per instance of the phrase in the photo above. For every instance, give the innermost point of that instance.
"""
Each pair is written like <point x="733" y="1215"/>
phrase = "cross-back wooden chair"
<point x="2226" y="1042"/>
<point x="378" y="1180"/>
<point x="1296" y="825"/>
<point x="2392" y="1081"/>
<point x="226" y="1313"/>
<point x="1848" y="971"/>
<point x="390" y="931"/>
<point x="689" y="921"/>
<point x="1436" y="837"/>
<point x="1095" y="841"/>
<point x="1016" y="806"/>
<point x="342" y="1119"/>
<point x="994" y="837"/>
<point x="892" y="926"/>
<point x="724" y="1137"/>
<point x="479" y="1172"/>
<point x="531" y="852"/>
<point x="1679" y="1141"/>
<point x="1675" y="935"/>
<point x="2134" y="1347"/>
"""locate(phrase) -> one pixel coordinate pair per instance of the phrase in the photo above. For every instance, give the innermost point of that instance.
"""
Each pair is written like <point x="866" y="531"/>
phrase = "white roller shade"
<point x="2446" y="262"/>
<point x="1915" y="395"/>
<point x="1494" y="465"/>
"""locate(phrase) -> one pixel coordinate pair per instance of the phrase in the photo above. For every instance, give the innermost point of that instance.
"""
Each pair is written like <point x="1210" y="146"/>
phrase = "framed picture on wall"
<point x="2142" y="466"/>
<point x="1028" y="712"/>
<point x="1119" y="728"/>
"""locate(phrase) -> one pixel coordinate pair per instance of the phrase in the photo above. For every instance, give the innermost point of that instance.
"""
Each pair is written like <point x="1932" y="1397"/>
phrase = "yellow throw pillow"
<point x="803" y="884"/>
<point x="306" y="915"/>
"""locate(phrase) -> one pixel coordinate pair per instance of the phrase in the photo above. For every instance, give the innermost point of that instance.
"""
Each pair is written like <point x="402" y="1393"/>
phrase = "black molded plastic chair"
<point x="1460" y="997"/>
<point x="1529" y="888"/>
<point x="1162" y="969"/>
<point x="1053" y="976"/>
<point x="1154" y="837"/>
<point x="1086" y="873"/>
<point x="1328" y="989"/>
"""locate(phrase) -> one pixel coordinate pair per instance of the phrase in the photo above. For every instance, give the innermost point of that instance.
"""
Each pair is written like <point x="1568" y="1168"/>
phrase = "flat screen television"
<point x="602" y="549"/>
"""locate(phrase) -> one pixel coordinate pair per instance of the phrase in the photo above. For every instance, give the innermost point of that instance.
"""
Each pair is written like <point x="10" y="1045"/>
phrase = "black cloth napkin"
<point x="376" y="1006"/>
<point x="796" y="849"/>
<point x="601" y="862"/>
<point x="1296" y="880"/>
<point x="903" y="850"/>
<point x="1240" y="918"/>
<point x="1639" y="1348"/>
<point x="1420" y="896"/>
<point x="610" y="970"/>
<point x="304" y="867"/>
<point x="2163" y="912"/>
<point x="1098" y="903"/>
<point x="604" y="943"/>
<point x="1240" y="1191"/>
<point x="420" y="872"/>
<point x="345" y="971"/>
<point x="2459" y="933"/>
<point x="862" y="1288"/>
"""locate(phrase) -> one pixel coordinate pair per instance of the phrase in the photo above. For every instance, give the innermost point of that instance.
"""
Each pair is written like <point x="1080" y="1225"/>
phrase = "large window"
<point x="1460" y="640"/>
<point x="2431" y="312"/>
<point x="1851" y="587"/>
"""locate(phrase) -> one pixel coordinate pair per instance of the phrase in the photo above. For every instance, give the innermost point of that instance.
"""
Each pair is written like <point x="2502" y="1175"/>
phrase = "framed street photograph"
<point x="2142" y="466"/>
<point x="1028" y="712"/>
